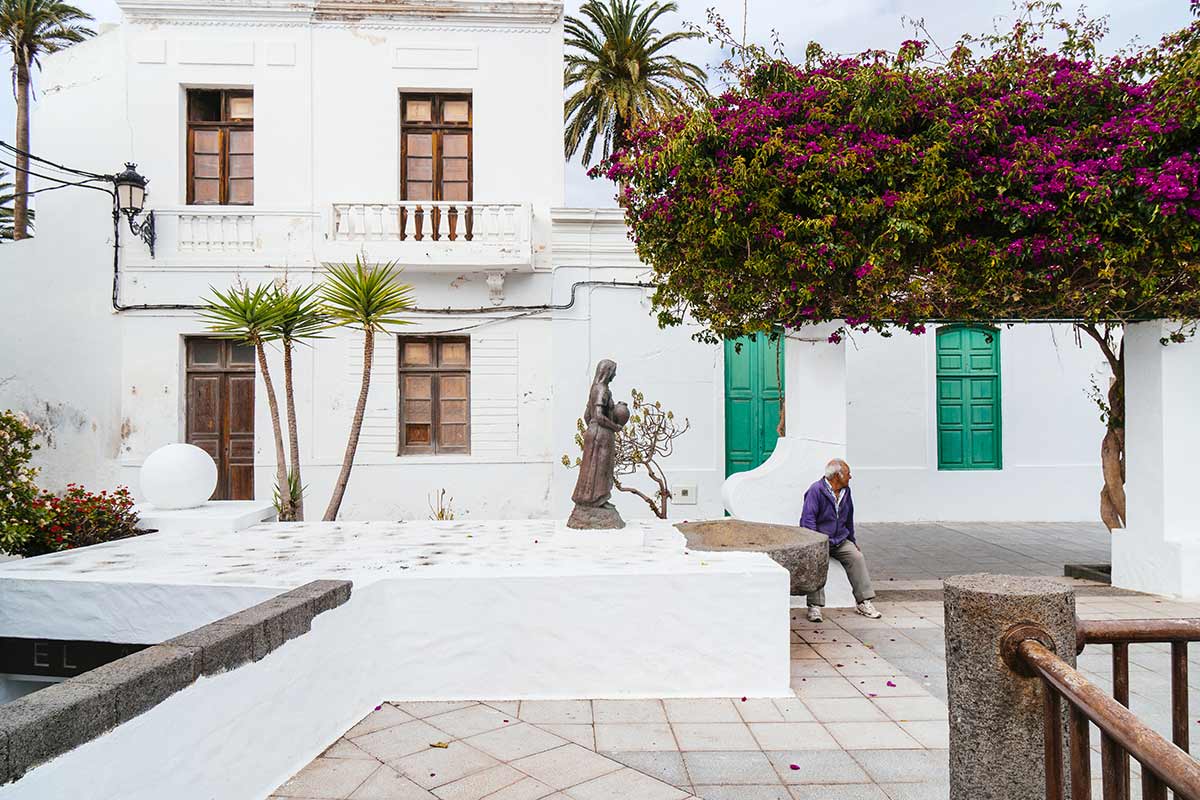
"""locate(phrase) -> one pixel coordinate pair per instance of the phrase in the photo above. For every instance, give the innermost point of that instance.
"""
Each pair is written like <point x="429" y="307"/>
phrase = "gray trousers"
<point x="856" y="569"/>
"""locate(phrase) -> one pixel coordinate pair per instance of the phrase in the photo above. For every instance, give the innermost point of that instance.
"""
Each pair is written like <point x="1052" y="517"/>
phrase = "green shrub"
<point x="22" y="511"/>
<point x="78" y="518"/>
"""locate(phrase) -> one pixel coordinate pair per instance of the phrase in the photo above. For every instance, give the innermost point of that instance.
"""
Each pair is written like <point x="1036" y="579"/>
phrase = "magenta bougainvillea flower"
<point x="1005" y="179"/>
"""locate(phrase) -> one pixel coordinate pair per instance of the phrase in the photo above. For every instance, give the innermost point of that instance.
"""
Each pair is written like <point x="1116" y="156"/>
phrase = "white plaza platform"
<point x="444" y="610"/>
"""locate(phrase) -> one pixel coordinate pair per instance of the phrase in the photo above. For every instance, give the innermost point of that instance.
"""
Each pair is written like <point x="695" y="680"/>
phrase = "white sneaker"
<point x="868" y="610"/>
<point x="814" y="614"/>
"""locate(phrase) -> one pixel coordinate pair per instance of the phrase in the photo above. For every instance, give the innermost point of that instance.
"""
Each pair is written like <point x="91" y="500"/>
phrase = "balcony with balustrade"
<point x="428" y="234"/>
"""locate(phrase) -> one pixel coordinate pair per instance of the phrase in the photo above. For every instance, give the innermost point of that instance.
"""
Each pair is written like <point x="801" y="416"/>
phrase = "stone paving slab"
<point x="866" y="721"/>
<point x="855" y="727"/>
<point x="910" y="636"/>
<point x="907" y="551"/>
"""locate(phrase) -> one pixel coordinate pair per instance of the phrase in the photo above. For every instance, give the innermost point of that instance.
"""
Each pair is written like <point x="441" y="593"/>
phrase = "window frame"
<point x="969" y="464"/>
<point x="437" y="127"/>
<point x="435" y="370"/>
<point x="222" y="127"/>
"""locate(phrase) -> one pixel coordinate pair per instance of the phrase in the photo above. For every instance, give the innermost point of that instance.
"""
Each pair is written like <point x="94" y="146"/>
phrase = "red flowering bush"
<point x="21" y="510"/>
<point x="78" y="518"/>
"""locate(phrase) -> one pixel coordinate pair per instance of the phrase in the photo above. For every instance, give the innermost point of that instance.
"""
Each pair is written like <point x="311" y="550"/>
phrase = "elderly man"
<point x="828" y="509"/>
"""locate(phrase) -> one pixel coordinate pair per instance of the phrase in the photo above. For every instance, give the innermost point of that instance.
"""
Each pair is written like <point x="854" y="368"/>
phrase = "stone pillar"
<point x="1159" y="550"/>
<point x="997" y="746"/>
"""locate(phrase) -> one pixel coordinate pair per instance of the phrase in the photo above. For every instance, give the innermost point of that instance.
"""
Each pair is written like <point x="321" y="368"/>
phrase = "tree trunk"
<point x="285" y="506"/>
<point x="620" y="133"/>
<point x="289" y="397"/>
<point x="781" y="429"/>
<point x="1112" y="452"/>
<point x="339" y="488"/>
<point x="21" y="178"/>
<point x="1112" y="447"/>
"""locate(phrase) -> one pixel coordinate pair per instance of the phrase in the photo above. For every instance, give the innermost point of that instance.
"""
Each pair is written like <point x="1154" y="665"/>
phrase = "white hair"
<point x="835" y="467"/>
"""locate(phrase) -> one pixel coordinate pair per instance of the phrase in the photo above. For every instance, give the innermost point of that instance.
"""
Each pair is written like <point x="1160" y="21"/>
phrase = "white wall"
<point x="666" y="365"/>
<point x="504" y="476"/>
<point x="326" y="128"/>
<point x="1159" y="551"/>
<point x="1051" y="430"/>
<point x="109" y="387"/>
<point x="463" y="633"/>
<point x="59" y="357"/>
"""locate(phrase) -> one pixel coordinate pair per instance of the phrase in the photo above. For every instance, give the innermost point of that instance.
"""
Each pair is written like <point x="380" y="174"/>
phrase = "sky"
<point x="846" y="26"/>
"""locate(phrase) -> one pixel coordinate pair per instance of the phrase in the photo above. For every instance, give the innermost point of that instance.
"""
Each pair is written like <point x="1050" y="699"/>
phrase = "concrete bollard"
<point x="997" y="746"/>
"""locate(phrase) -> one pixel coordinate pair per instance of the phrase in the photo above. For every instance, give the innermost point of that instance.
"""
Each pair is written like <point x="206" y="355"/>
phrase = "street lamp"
<point x="131" y="197"/>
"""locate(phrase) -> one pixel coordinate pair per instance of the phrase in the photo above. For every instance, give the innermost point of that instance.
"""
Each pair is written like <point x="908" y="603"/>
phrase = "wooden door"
<point x="752" y="375"/>
<point x="220" y="411"/>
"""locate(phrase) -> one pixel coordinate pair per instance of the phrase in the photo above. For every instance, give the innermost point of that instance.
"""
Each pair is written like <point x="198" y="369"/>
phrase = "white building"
<point x="281" y="136"/>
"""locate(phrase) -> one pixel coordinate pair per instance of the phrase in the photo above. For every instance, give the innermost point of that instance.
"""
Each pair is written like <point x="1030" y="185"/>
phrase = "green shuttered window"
<point x="968" y="398"/>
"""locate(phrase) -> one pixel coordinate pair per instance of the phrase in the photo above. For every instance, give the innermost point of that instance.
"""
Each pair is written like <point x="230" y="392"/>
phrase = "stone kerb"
<point x="59" y="718"/>
<point x="997" y="746"/>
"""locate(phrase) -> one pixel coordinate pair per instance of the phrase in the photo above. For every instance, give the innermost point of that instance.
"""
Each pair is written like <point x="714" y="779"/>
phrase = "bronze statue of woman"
<point x="595" y="484"/>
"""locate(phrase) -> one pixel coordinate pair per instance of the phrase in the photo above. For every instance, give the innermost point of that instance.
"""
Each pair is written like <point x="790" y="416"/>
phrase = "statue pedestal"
<point x="603" y="517"/>
<point x="227" y="516"/>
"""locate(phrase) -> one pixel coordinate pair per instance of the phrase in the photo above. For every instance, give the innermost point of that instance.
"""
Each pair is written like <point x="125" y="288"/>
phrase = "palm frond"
<point x="250" y="316"/>
<point x="620" y="74"/>
<point x="32" y="28"/>
<point x="365" y="297"/>
<point x="301" y="314"/>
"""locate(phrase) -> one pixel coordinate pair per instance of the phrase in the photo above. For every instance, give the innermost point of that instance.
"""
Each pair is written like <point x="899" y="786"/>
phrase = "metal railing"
<point x="1163" y="764"/>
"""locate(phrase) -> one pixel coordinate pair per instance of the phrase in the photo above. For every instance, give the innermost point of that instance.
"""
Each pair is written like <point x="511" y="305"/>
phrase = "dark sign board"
<point x="56" y="658"/>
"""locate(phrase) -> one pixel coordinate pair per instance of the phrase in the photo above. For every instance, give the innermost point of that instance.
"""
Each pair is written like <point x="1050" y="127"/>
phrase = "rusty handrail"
<point x="1135" y="631"/>
<point x="1120" y="634"/>
<point x="1174" y="767"/>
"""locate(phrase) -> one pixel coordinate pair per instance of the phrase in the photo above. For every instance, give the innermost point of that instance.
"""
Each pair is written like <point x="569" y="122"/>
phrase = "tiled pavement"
<point x="867" y="722"/>
<point x="911" y="637"/>
<point x="856" y="728"/>
<point x="898" y="551"/>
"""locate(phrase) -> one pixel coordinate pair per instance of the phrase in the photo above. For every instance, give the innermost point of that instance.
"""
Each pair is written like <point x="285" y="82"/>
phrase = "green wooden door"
<point x="751" y="401"/>
<point x="968" y="398"/>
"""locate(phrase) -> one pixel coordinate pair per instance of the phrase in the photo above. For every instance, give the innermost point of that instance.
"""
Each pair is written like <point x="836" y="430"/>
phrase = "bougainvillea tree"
<point x="1002" y="180"/>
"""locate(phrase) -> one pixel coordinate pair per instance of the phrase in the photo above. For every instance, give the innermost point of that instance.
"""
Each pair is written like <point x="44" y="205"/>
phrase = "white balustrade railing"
<point x="215" y="232"/>
<point x="428" y="221"/>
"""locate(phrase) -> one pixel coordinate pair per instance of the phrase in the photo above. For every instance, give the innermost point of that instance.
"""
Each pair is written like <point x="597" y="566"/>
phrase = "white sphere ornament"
<point x="178" y="476"/>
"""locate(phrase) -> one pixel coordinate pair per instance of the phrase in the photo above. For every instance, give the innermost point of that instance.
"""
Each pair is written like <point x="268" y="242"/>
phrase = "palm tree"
<point x="366" y="299"/>
<point x="251" y="316"/>
<point x="6" y="212"/>
<point x="299" y="317"/>
<point x="30" y="29"/>
<point x="622" y="72"/>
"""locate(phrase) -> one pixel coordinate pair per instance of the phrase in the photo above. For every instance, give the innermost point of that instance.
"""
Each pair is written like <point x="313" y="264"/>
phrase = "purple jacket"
<point x="823" y="515"/>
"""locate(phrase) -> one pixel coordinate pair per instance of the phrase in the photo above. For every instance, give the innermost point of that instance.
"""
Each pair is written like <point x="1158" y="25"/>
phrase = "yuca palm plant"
<point x="299" y="317"/>
<point x="251" y="316"/>
<point x="365" y="298"/>
<point x="30" y="29"/>
<point x="617" y="59"/>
